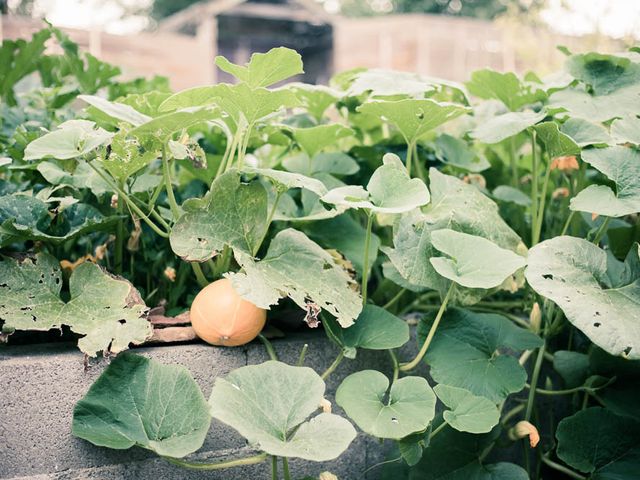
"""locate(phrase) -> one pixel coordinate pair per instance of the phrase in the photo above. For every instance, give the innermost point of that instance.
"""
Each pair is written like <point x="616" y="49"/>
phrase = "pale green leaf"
<point x="162" y="127"/>
<point x="72" y="139"/>
<point x="408" y="408"/>
<point x="584" y="132"/>
<point x="413" y="118"/>
<point x="286" y="180"/>
<point x="390" y="190"/>
<point x="463" y="353"/>
<point x="119" y="111"/>
<point x="316" y="99"/>
<point x="506" y="87"/>
<point x="138" y="401"/>
<point x="602" y="72"/>
<point x="475" y="261"/>
<point x="626" y="130"/>
<point x="235" y="215"/>
<point x="506" y="125"/>
<point x="269" y="405"/>
<point x="265" y="69"/>
<point x="506" y="193"/>
<point x="334" y="163"/>
<point x="79" y="176"/>
<point x="556" y="143"/>
<point x="296" y="267"/>
<point x="579" y="103"/>
<point x="468" y="412"/>
<point x="456" y="152"/>
<point x="622" y="166"/>
<point x="107" y="311"/>
<point x="573" y="273"/>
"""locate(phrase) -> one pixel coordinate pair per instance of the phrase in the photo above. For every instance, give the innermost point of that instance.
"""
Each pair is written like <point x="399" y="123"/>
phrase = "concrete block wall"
<point x="39" y="386"/>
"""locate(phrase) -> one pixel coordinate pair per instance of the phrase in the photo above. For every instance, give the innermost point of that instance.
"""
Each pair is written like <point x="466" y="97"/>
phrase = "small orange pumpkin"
<point x="220" y="316"/>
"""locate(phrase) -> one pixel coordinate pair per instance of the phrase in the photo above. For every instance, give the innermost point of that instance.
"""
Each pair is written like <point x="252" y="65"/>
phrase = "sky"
<point x="615" y="18"/>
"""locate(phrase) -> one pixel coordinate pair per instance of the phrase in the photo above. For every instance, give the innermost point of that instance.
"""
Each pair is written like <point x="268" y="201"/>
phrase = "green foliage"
<point x="514" y="198"/>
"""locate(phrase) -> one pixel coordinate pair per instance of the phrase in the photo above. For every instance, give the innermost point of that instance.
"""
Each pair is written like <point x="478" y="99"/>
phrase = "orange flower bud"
<point x="525" y="429"/>
<point x="566" y="164"/>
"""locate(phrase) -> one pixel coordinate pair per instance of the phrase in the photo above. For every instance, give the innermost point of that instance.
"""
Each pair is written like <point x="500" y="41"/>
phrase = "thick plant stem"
<point x="601" y="231"/>
<point x="268" y="224"/>
<point x="333" y="366"/>
<point x="285" y="468"/>
<point x="197" y="270"/>
<point x="534" y="381"/>
<point x="365" y="263"/>
<point x="414" y="363"/>
<point x="514" y="161"/>
<point x="218" y="465"/>
<point x="120" y="233"/>
<point x="274" y="467"/>
<point x="409" y="157"/>
<point x="129" y="202"/>
<point x="267" y="345"/>
<point x="534" y="187"/>
<point x="561" y="468"/>
<point x="175" y="210"/>
<point x="543" y="198"/>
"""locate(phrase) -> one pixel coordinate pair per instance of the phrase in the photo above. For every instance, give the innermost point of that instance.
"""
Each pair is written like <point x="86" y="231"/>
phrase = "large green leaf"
<point x="507" y="125"/>
<point x="506" y="87"/>
<point x="138" y="401"/>
<point x="316" y="99"/>
<point x="602" y="72"/>
<point x="79" y="176"/>
<point x="28" y="218"/>
<point x="265" y="69"/>
<point x="245" y="104"/>
<point x="269" y="404"/>
<point x="375" y="329"/>
<point x="408" y="407"/>
<point x="585" y="133"/>
<point x="390" y="190"/>
<point x="463" y="353"/>
<point x="235" y="215"/>
<point x="455" y="205"/>
<point x="107" y="311"/>
<point x="626" y="130"/>
<point x="622" y="166"/>
<point x="575" y="274"/>
<point x="72" y="139"/>
<point x="468" y="412"/>
<point x="413" y="118"/>
<point x="598" y="442"/>
<point x="456" y="152"/>
<point x="162" y="127"/>
<point x="597" y="108"/>
<point x="334" y="163"/>
<point x="475" y="261"/>
<point x="118" y="111"/>
<point x="296" y="267"/>
<point x="384" y="83"/>
<point x="556" y="143"/>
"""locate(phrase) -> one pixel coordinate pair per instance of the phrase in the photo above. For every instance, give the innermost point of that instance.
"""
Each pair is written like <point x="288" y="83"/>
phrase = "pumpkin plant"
<point x="501" y="216"/>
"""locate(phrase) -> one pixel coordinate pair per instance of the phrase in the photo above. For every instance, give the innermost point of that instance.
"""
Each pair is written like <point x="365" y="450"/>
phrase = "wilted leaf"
<point x="409" y="407"/>
<point x="269" y="405"/>
<point x="296" y="267"/>
<point x="138" y="401"/>
<point x="106" y="311"/>
<point x="575" y="274"/>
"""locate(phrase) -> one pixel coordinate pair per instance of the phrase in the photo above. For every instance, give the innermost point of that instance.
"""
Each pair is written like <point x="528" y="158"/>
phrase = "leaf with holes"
<point x="269" y="405"/>
<point x="409" y="408"/>
<point x="296" y="267"/>
<point x="235" y="215"/>
<point x="106" y="311"/>
<point x="577" y="276"/>
<point x="138" y="401"/>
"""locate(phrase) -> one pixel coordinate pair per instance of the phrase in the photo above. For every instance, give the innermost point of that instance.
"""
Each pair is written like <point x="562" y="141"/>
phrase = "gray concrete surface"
<point x="39" y="386"/>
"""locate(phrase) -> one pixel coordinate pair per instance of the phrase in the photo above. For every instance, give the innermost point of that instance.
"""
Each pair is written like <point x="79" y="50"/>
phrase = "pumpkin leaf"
<point x="597" y="108"/>
<point x="296" y="267"/>
<point x="556" y="143"/>
<point x="413" y="117"/>
<point x="315" y="99"/>
<point x="475" y="261"/>
<point x="601" y="443"/>
<point x="284" y="181"/>
<point x="235" y="215"/>
<point x="622" y="166"/>
<point x="115" y="110"/>
<point x="107" y="311"/>
<point x="468" y="412"/>
<point x="585" y="133"/>
<point x="507" y="125"/>
<point x="409" y="407"/>
<point x="454" y="151"/>
<point x="269" y="405"/>
<point x="604" y="73"/>
<point x="506" y="87"/>
<point x="463" y="353"/>
<point x="138" y="401"/>
<point x="374" y="329"/>
<point x="163" y="126"/>
<point x="626" y="130"/>
<point x="264" y="69"/>
<point x="574" y="274"/>
<point x="334" y="163"/>
<point x="313" y="140"/>
<point x="72" y="139"/>
<point x="390" y="190"/>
